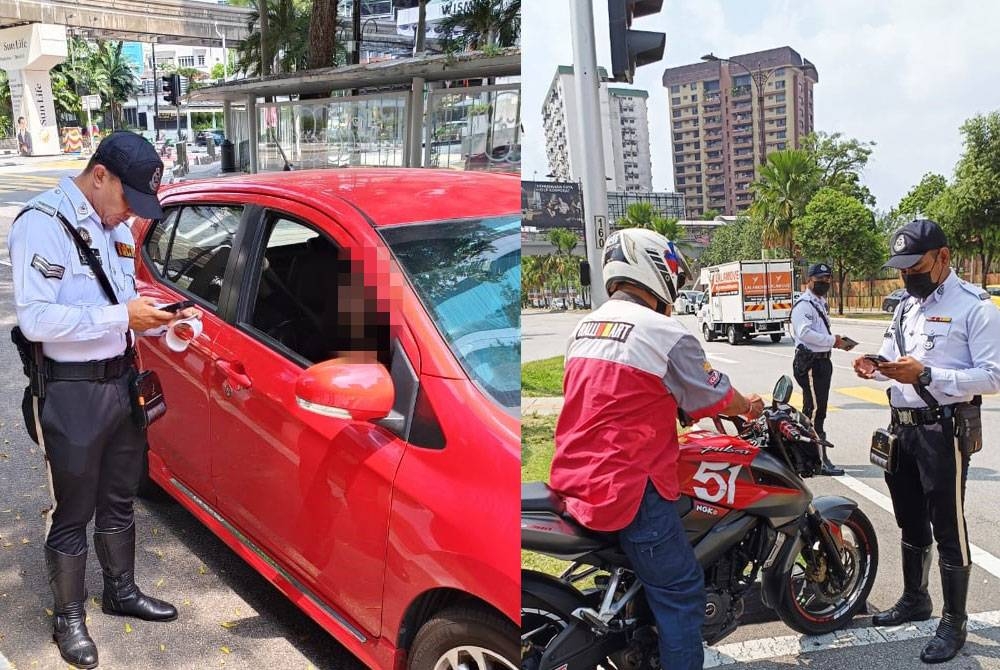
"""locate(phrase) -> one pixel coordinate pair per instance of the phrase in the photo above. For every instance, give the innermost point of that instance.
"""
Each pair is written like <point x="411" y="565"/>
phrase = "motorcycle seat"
<point x="538" y="497"/>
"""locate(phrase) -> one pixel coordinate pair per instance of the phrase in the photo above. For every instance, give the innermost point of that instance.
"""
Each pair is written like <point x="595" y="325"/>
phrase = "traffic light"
<point x="633" y="48"/>
<point x="171" y="89"/>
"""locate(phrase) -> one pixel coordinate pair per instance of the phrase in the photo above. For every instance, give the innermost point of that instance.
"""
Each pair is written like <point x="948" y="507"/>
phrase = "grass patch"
<point x="537" y="446"/>
<point x="542" y="378"/>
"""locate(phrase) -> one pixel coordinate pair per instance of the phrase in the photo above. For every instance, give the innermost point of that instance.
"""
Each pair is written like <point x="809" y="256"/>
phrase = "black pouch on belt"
<point x="148" y="403"/>
<point x="883" y="450"/>
<point x="969" y="427"/>
<point x="803" y="361"/>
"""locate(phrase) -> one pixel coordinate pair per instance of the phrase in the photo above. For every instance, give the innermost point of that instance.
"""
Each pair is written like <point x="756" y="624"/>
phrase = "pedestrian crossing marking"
<point x="866" y="393"/>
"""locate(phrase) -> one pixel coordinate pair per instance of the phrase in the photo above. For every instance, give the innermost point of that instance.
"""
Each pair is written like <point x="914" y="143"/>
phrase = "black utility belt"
<point x="813" y="354"/>
<point x="90" y="371"/>
<point x="922" y="417"/>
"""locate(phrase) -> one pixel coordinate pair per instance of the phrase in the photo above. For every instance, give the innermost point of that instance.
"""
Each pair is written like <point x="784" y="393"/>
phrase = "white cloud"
<point x="902" y="73"/>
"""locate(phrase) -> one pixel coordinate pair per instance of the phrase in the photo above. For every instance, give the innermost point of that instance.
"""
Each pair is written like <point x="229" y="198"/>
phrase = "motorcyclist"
<point x="629" y="368"/>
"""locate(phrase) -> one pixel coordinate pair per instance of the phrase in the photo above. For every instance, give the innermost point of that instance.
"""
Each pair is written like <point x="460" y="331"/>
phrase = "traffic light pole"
<point x="590" y="140"/>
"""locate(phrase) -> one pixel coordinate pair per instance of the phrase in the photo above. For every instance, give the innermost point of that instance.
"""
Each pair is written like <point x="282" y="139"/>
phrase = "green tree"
<point x="275" y="44"/>
<point x="838" y="228"/>
<point x="840" y="163"/>
<point x="786" y="184"/>
<point x="739" y="240"/>
<point x="218" y="71"/>
<point x="480" y="24"/>
<point x="322" y="33"/>
<point x="920" y="196"/>
<point x="565" y="241"/>
<point x="644" y="215"/>
<point x="710" y="215"/>
<point x="113" y="78"/>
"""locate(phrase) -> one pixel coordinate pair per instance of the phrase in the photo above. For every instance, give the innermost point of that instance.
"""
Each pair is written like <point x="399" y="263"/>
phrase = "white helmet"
<point x="646" y="259"/>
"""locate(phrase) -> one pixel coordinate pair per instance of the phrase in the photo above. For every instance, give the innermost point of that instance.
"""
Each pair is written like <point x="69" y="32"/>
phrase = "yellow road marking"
<point x="875" y="396"/>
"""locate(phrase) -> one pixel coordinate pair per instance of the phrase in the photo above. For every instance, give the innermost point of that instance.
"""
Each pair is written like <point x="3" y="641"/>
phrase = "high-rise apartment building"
<point x="625" y="129"/>
<point x="715" y="117"/>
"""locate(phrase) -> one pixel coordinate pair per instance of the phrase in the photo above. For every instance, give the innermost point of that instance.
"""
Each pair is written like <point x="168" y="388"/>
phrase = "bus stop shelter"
<point x="412" y="112"/>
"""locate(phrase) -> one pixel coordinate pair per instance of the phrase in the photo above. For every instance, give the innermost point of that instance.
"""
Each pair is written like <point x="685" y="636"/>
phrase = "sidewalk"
<point x="544" y="406"/>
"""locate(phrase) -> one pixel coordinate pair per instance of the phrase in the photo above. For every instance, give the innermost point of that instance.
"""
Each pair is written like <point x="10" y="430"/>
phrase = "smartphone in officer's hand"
<point x="847" y="343"/>
<point x="876" y="359"/>
<point x="177" y="306"/>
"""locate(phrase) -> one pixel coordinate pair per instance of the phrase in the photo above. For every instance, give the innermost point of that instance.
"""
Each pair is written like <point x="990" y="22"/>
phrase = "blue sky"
<point x="902" y="73"/>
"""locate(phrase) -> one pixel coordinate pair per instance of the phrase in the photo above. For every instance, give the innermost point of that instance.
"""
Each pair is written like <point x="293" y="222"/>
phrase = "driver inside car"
<point x="630" y="367"/>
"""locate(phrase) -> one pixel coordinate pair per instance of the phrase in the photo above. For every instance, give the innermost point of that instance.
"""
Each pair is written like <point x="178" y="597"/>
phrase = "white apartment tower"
<point x="625" y="126"/>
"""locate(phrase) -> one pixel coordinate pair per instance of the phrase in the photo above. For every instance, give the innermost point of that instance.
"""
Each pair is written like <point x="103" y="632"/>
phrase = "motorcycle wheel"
<point x="540" y="622"/>
<point x="809" y="602"/>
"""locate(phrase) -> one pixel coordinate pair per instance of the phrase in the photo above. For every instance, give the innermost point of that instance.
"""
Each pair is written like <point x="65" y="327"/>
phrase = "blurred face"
<point x="934" y="262"/>
<point x="108" y="197"/>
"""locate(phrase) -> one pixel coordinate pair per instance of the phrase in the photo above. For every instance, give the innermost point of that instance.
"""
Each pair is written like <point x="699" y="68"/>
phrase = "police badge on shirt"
<point x="85" y="236"/>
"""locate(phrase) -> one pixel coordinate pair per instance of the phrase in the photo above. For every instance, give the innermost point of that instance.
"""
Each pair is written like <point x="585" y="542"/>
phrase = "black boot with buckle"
<point x="951" y="632"/>
<point x="915" y="605"/>
<point x="69" y="625"/>
<point x="116" y="551"/>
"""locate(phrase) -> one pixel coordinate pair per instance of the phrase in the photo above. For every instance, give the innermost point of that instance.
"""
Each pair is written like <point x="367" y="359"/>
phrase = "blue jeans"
<point x="673" y="581"/>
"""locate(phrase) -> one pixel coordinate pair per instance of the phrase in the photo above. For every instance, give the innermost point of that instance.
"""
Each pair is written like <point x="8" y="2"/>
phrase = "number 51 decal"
<point x="711" y="473"/>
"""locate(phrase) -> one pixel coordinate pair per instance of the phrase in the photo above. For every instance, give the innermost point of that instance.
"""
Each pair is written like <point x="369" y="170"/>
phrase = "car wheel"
<point x="732" y="336"/>
<point x="776" y="337"/>
<point x="465" y="638"/>
<point x="707" y="333"/>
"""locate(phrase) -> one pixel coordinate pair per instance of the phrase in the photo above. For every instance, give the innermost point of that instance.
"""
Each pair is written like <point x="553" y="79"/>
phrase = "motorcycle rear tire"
<point x="788" y="609"/>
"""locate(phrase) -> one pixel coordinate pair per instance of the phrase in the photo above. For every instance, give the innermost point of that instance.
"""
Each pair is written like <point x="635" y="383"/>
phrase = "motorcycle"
<point x="747" y="512"/>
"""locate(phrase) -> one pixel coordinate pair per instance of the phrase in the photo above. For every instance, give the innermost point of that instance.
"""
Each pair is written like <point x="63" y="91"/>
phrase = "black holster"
<point x="33" y="366"/>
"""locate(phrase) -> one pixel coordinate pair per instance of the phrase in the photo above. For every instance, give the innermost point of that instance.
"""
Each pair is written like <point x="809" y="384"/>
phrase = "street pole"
<point x="156" y="95"/>
<point x="586" y="82"/>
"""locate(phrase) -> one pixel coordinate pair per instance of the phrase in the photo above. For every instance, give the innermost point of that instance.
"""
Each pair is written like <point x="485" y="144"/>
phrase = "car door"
<point x="312" y="491"/>
<point x="185" y="256"/>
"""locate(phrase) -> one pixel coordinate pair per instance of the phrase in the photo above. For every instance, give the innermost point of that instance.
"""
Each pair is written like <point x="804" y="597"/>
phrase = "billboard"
<point x="546" y="205"/>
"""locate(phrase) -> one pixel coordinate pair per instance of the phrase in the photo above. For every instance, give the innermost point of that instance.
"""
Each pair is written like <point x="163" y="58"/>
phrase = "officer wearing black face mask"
<point x="944" y="352"/>
<point x="813" y="341"/>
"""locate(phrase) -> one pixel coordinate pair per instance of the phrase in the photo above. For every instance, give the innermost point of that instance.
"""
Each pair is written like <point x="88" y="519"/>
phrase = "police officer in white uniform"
<point x="944" y="353"/>
<point x="93" y="447"/>
<point x="813" y="341"/>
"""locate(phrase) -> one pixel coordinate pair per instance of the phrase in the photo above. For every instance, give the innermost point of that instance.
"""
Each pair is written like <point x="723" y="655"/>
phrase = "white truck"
<point x="747" y="299"/>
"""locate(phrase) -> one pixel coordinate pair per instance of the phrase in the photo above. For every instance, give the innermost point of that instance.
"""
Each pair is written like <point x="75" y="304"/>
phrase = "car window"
<point x="190" y="247"/>
<point x="311" y="300"/>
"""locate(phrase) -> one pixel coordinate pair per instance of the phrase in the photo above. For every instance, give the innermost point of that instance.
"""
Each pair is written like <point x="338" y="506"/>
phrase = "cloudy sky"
<point x="902" y="73"/>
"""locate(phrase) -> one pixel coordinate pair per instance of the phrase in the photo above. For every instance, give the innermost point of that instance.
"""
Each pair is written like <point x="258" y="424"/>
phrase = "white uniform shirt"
<point x="58" y="299"/>
<point x="956" y="332"/>
<point x="808" y="327"/>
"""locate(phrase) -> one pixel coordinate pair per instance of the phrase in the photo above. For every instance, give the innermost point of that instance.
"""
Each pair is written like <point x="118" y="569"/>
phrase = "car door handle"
<point x="236" y="376"/>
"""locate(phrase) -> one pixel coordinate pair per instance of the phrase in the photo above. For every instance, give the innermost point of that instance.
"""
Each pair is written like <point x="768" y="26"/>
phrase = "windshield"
<point x="468" y="277"/>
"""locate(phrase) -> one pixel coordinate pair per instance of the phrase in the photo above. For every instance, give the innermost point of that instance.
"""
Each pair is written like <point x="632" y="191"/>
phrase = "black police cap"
<point x="908" y="244"/>
<point x="131" y="158"/>
<point x="819" y="270"/>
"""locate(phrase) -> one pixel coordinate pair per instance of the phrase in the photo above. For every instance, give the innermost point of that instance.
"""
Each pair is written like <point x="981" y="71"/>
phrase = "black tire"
<point x="865" y="567"/>
<point x="776" y="337"/>
<point x="707" y="333"/>
<point x="543" y="621"/>
<point x="471" y="634"/>
<point x="732" y="336"/>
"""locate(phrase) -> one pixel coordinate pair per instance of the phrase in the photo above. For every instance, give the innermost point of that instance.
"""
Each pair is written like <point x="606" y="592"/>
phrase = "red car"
<point x="348" y="418"/>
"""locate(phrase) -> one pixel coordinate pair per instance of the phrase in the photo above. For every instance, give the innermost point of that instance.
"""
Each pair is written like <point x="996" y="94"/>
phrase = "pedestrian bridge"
<point x="160" y="21"/>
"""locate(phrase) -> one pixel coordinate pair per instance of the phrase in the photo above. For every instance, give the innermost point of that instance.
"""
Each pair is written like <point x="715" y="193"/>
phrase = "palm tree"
<point x="113" y="77"/>
<point x="274" y="42"/>
<point x="786" y="184"/>
<point x="644" y="215"/>
<point x="322" y="33"/>
<point x="563" y="262"/>
<point x="482" y="24"/>
<point x="73" y="77"/>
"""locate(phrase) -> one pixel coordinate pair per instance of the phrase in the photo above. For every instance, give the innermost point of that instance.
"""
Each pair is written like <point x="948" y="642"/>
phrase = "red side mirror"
<point x="358" y="391"/>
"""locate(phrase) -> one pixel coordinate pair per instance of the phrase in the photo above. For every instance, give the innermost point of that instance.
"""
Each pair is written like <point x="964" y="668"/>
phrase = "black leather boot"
<point x="116" y="551"/>
<point x="951" y="631"/>
<point x="915" y="605"/>
<point x="69" y="626"/>
<point x="828" y="468"/>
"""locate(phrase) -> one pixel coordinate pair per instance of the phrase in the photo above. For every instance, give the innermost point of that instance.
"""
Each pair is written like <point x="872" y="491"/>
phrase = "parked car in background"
<point x="994" y="292"/>
<point x="347" y="419"/>
<point x="217" y="135"/>
<point x="687" y="302"/>
<point x="890" y="302"/>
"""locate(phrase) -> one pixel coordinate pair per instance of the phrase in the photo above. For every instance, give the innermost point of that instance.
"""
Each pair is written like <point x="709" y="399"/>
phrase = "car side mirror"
<point x="352" y="391"/>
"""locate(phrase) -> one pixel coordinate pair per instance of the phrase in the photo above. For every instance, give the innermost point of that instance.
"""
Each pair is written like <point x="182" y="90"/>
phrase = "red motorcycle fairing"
<point x="717" y="473"/>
